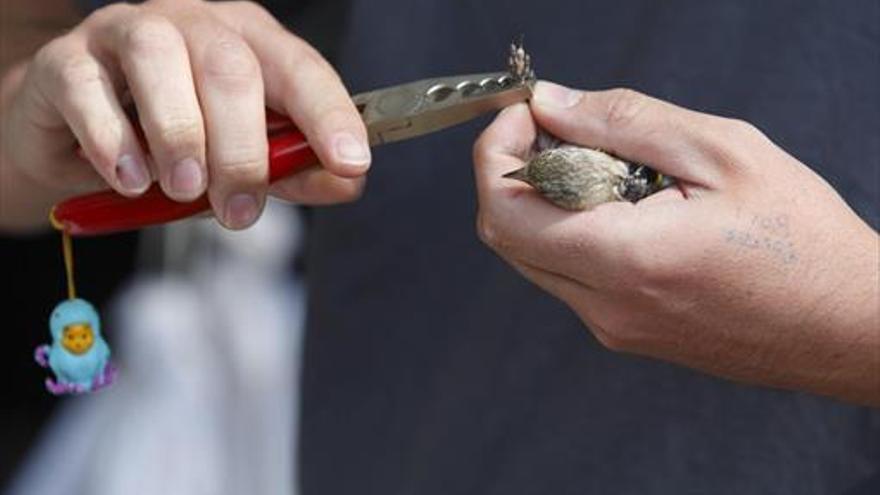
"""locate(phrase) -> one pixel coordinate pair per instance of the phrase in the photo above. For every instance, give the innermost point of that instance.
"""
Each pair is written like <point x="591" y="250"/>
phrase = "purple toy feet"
<point x="63" y="388"/>
<point x="41" y="355"/>
<point x="105" y="379"/>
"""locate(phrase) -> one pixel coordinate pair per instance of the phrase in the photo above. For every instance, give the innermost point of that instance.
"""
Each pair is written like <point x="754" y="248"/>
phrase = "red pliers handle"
<point x="106" y="211"/>
<point x="390" y="114"/>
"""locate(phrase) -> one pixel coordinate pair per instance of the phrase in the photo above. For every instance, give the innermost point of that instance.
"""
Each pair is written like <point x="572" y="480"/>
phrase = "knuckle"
<point x="105" y="134"/>
<point x="334" y="114"/>
<point x="230" y="63"/>
<point x="623" y="107"/>
<point x="307" y="60"/>
<point x="303" y="54"/>
<point x="312" y="58"/>
<point x="151" y="35"/>
<point x="734" y="144"/>
<point x="611" y="341"/>
<point x="53" y="53"/>
<point x="109" y="13"/>
<point x="241" y="168"/>
<point x="173" y="3"/>
<point x="487" y="231"/>
<point x="614" y="333"/>
<point x="328" y="118"/>
<point x="741" y="129"/>
<point x="181" y="133"/>
<point x="252" y="9"/>
<point x="309" y="66"/>
<point x="76" y="70"/>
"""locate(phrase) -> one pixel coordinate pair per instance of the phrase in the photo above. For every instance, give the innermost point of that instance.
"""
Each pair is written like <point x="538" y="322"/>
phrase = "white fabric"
<point x="206" y="400"/>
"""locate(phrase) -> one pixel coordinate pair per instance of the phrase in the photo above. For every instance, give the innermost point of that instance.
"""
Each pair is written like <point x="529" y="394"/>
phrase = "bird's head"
<point x="641" y="182"/>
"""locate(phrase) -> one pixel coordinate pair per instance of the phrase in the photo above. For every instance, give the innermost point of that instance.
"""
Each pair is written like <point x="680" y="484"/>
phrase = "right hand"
<point x="200" y="76"/>
<point x="752" y="268"/>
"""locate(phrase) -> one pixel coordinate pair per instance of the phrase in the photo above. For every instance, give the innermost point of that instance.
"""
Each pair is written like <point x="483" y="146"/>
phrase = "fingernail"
<point x="241" y="210"/>
<point x="352" y="151"/>
<point x="187" y="178"/>
<point x="132" y="173"/>
<point x="556" y="96"/>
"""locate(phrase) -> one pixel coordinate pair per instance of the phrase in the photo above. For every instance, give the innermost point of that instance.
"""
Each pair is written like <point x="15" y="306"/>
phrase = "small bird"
<point x="78" y="356"/>
<point x="577" y="178"/>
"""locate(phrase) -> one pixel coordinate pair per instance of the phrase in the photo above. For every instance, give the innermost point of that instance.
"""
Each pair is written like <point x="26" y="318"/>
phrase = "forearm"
<point x="819" y="333"/>
<point x="852" y="355"/>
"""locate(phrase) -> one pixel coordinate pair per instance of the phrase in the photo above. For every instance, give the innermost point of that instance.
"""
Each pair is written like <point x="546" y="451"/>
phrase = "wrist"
<point x="853" y="324"/>
<point x="24" y="201"/>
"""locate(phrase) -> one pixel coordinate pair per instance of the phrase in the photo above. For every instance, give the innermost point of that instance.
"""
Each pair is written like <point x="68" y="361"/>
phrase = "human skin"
<point x="752" y="269"/>
<point x="200" y="76"/>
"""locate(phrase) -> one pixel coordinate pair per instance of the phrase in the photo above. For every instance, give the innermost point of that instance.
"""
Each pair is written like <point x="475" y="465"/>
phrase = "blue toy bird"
<point x="79" y="356"/>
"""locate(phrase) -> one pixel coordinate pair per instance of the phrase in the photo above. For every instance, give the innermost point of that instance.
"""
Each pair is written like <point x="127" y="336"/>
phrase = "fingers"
<point x="299" y="81"/>
<point x="581" y="299"/>
<point x="316" y="186"/>
<point x="196" y="78"/>
<point x="230" y="88"/>
<point x="504" y="146"/>
<point x="199" y="95"/>
<point x="682" y="143"/>
<point x="80" y="88"/>
<point x="153" y="57"/>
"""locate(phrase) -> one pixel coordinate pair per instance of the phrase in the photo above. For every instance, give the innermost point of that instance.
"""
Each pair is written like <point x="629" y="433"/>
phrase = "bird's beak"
<point x="518" y="174"/>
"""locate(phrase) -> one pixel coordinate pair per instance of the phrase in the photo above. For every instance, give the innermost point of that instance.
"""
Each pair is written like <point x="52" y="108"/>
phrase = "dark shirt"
<point x="433" y="368"/>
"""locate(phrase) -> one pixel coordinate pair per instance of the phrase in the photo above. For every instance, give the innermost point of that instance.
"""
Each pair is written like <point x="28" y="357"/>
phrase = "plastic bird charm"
<point x="79" y="357"/>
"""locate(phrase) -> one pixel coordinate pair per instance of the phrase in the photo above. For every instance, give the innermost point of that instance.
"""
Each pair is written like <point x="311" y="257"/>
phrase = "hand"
<point x="752" y="269"/>
<point x="200" y="76"/>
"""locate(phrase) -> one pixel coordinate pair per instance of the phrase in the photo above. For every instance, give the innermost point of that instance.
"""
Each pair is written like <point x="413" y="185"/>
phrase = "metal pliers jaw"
<point x="390" y="114"/>
<point x="421" y="107"/>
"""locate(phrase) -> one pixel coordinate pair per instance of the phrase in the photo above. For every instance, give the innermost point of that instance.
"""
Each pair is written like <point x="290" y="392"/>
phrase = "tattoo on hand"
<point x="765" y="233"/>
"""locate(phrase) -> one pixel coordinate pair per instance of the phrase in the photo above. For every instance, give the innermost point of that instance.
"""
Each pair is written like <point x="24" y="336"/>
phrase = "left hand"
<point x="753" y="268"/>
<point x="200" y="75"/>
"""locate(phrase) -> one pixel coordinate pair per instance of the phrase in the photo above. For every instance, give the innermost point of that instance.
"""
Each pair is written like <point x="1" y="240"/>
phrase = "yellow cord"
<point x="67" y="247"/>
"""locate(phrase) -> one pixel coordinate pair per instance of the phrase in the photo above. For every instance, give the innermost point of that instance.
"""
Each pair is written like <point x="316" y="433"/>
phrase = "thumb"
<point x="671" y="139"/>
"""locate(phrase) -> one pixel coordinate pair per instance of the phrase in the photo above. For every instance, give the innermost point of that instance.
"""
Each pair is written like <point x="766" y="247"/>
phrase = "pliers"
<point x="391" y="114"/>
